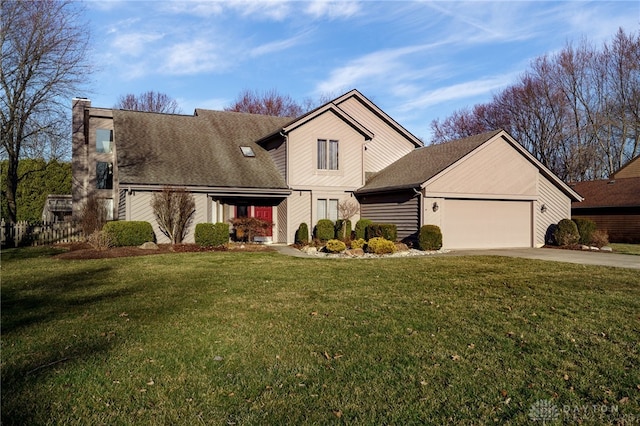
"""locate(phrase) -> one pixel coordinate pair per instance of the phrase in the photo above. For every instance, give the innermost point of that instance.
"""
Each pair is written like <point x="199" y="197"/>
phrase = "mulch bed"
<point x="79" y="251"/>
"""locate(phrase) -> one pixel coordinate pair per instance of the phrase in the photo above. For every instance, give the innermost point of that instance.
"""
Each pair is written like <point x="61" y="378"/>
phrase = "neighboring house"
<point x="613" y="204"/>
<point x="484" y="191"/>
<point x="57" y="208"/>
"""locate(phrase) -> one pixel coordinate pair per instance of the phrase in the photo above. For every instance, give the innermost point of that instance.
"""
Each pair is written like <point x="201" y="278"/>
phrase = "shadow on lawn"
<point x="27" y="309"/>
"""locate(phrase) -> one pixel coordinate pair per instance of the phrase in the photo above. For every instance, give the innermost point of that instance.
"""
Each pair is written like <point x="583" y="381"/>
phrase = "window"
<point x="108" y="205"/>
<point x="328" y="209"/>
<point x="104" y="140"/>
<point x="247" y="151"/>
<point x="327" y="154"/>
<point x="104" y="175"/>
<point x="242" y="211"/>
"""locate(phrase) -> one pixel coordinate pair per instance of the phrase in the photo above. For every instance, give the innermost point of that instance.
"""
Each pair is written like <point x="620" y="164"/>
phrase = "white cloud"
<point x="276" y="46"/>
<point x="332" y="9"/>
<point x="134" y="44"/>
<point x="387" y="66"/>
<point x="465" y="90"/>
<point x="194" y="57"/>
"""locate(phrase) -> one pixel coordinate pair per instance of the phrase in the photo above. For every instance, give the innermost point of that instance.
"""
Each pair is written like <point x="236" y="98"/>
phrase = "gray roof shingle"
<point x="198" y="150"/>
<point x="421" y="164"/>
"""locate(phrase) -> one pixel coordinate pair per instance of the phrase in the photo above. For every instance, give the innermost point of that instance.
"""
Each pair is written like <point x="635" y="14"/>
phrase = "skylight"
<point x="247" y="151"/>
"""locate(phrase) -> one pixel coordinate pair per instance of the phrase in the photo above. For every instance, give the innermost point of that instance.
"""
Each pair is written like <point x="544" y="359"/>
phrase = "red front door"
<point x="264" y="213"/>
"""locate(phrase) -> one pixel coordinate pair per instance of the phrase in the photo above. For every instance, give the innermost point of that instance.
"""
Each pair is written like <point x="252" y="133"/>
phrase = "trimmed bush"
<point x="566" y="233"/>
<point x="325" y="230"/>
<point x="388" y="231"/>
<point x="430" y="237"/>
<point x="379" y="245"/>
<point x="302" y="234"/>
<point x="358" y="244"/>
<point x="335" y="246"/>
<point x="211" y="234"/>
<point x="600" y="238"/>
<point x="129" y="233"/>
<point x="343" y="229"/>
<point x="586" y="228"/>
<point x="361" y="228"/>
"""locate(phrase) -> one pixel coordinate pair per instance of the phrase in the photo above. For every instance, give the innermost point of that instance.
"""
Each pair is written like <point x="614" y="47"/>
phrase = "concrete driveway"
<point x="557" y="255"/>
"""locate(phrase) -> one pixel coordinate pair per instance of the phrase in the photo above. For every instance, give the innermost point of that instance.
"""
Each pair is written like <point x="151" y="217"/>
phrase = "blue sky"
<point x="418" y="61"/>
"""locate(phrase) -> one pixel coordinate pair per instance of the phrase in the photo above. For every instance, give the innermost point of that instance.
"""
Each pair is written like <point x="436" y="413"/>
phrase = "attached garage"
<point x="484" y="191"/>
<point x="471" y="224"/>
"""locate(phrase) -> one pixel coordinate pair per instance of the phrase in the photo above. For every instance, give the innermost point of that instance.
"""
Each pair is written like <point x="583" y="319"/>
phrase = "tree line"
<point x="577" y="110"/>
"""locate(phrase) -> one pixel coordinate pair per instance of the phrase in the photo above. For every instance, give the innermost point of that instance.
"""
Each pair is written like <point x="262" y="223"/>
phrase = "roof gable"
<point x="423" y="164"/>
<point x="420" y="165"/>
<point x="355" y="94"/>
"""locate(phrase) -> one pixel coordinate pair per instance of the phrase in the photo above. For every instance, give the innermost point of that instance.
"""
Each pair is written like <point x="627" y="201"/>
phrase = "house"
<point x="613" y="204"/>
<point x="485" y="191"/>
<point x="287" y="170"/>
<point x="57" y="208"/>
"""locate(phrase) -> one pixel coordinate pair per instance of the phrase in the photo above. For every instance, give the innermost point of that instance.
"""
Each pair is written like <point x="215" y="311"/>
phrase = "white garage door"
<point x="486" y="224"/>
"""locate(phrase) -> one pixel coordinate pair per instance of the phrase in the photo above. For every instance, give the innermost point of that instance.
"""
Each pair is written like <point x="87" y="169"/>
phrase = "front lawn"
<point x="626" y="248"/>
<point x="261" y="338"/>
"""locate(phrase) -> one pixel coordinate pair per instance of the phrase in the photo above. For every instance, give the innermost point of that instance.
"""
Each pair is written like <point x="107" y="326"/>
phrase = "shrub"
<point x="248" y="227"/>
<point x="324" y="230"/>
<point x="379" y="245"/>
<point x="358" y="244"/>
<point x="361" y="228"/>
<point x="586" y="228"/>
<point x="100" y="240"/>
<point x="430" y="237"/>
<point x="388" y="231"/>
<point x="129" y="233"/>
<point x="302" y="234"/>
<point x="174" y="209"/>
<point x="335" y="246"/>
<point x="343" y="229"/>
<point x="211" y="234"/>
<point x="600" y="238"/>
<point x="566" y="233"/>
<point x="93" y="215"/>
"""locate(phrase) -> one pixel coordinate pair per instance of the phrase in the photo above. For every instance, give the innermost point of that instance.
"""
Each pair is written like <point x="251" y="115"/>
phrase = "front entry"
<point x="264" y="213"/>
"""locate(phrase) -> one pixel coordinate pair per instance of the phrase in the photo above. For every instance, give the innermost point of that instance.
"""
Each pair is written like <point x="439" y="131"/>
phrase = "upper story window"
<point x="104" y="175"/>
<point x="327" y="154"/>
<point x="104" y="140"/>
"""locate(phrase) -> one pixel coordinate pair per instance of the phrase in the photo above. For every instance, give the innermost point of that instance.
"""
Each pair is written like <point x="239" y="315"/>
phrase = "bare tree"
<point x="44" y="51"/>
<point x="577" y="111"/>
<point x="174" y="209"/>
<point x="346" y="210"/>
<point x="150" y="102"/>
<point x="267" y="103"/>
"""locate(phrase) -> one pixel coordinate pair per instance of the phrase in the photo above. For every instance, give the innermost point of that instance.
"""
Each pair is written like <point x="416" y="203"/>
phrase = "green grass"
<point x="626" y="248"/>
<point x="260" y="338"/>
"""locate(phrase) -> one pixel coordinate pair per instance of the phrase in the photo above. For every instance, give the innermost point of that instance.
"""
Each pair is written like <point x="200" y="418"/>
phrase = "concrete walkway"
<point x="558" y="255"/>
<point x="554" y="255"/>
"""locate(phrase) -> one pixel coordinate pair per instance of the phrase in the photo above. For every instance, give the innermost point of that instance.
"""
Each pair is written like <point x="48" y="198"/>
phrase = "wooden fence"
<point x="38" y="234"/>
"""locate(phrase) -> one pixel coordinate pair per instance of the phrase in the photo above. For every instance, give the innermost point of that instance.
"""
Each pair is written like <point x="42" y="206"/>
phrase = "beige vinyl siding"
<point x="515" y="177"/>
<point x="278" y="152"/>
<point x="387" y="144"/>
<point x="280" y="234"/>
<point x="632" y="169"/>
<point x="139" y="203"/>
<point x="299" y="208"/>
<point x="302" y="147"/>
<point x="558" y="207"/>
<point x="471" y="224"/>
